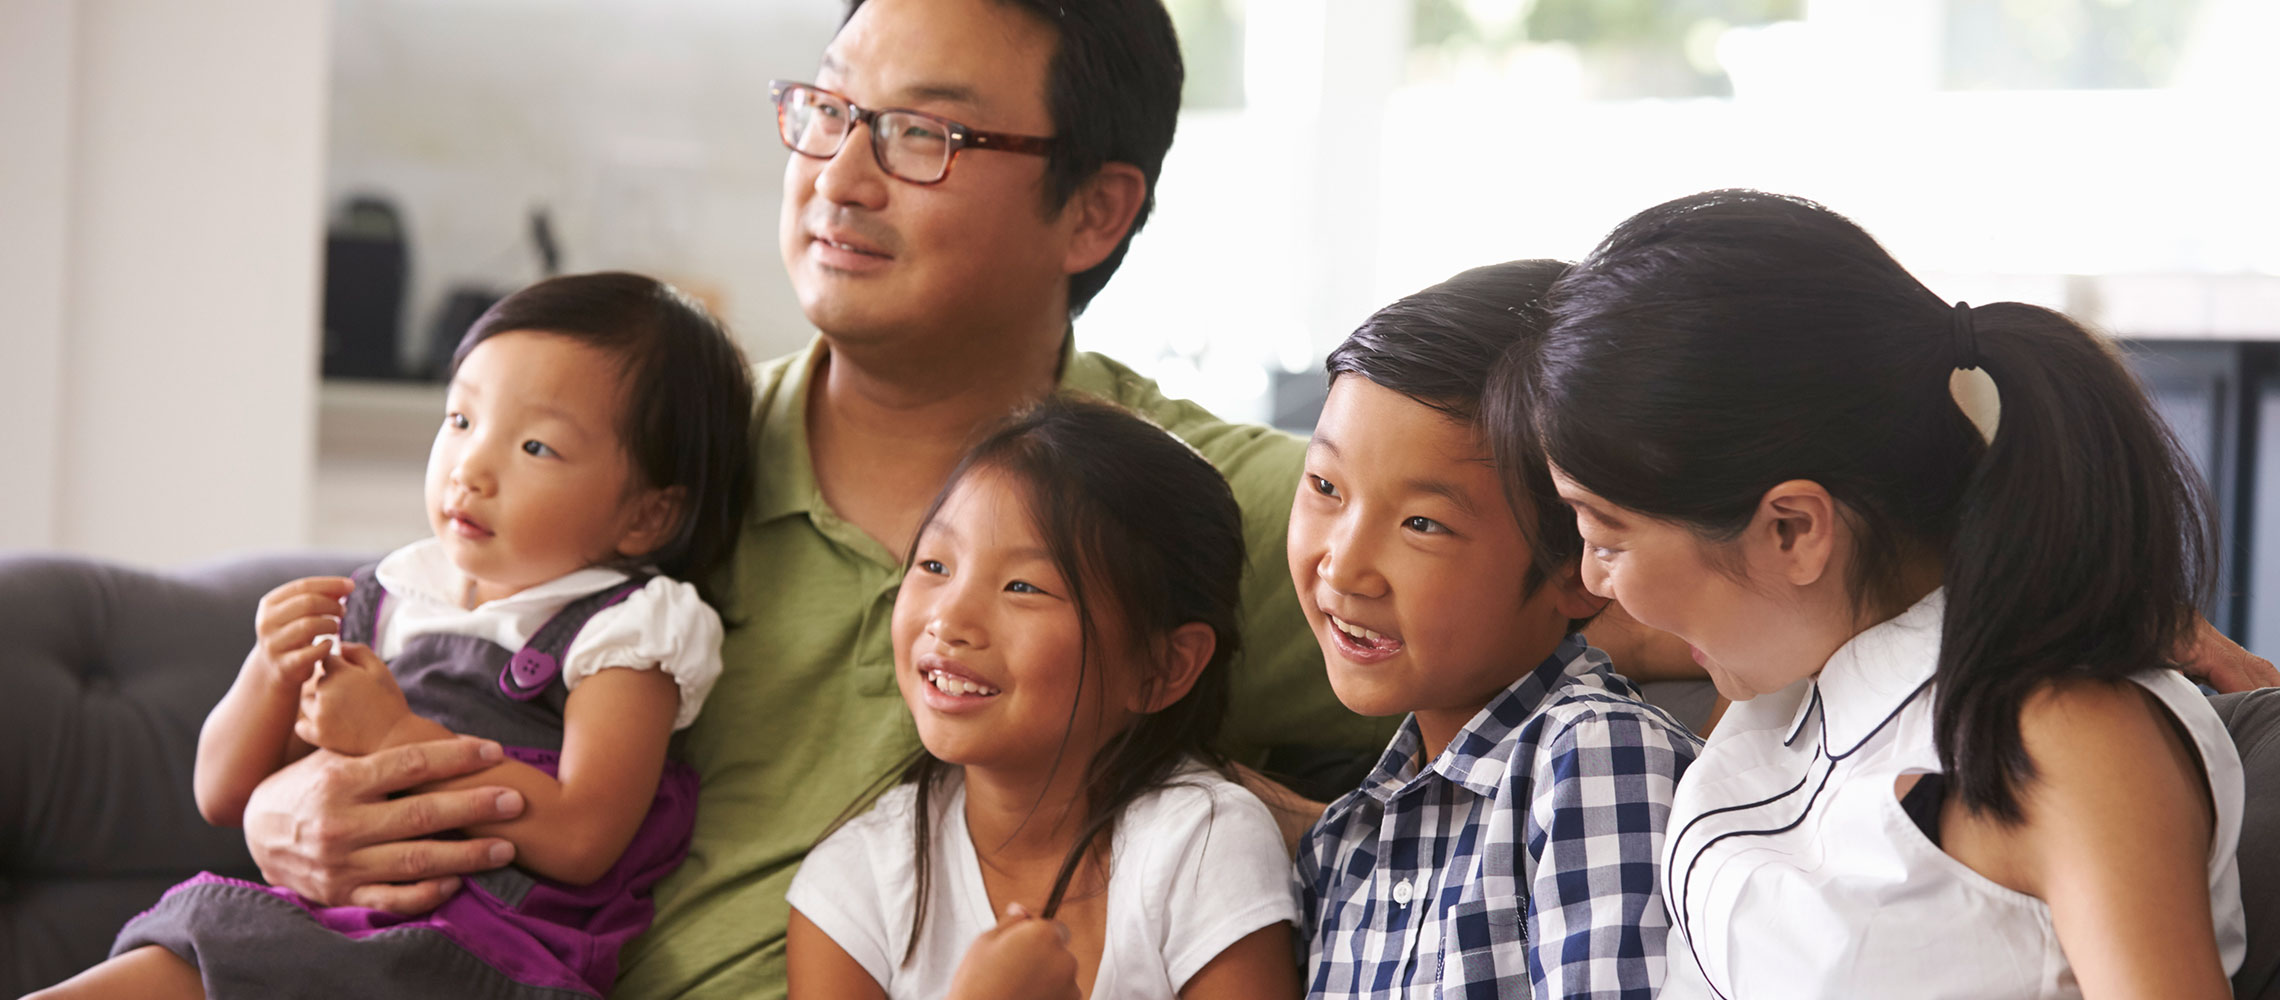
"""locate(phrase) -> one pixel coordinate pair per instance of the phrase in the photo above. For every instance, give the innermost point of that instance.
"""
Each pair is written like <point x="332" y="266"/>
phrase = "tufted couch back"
<point x="106" y="673"/>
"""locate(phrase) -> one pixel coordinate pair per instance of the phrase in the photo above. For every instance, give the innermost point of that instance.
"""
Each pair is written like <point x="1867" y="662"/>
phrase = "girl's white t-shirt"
<point x="1194" y="867"/>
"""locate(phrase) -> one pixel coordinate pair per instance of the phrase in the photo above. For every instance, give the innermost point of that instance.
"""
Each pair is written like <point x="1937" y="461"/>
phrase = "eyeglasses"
<point x="911" y="145"/>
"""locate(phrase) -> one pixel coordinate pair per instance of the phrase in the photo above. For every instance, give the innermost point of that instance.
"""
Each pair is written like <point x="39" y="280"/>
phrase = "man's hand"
<point x="1022" y="958"/>
<point x="325" y="827"/>
<point x="351" y="703"/>
<point x="288" y="624"/>
<point x="2211" y="658"/>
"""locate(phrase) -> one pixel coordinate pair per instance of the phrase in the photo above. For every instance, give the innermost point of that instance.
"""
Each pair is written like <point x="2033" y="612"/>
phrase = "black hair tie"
<point x="1966" y="337"/>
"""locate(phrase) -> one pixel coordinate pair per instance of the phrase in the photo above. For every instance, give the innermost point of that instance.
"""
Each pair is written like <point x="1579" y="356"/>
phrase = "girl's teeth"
<point x="952" y="685"/>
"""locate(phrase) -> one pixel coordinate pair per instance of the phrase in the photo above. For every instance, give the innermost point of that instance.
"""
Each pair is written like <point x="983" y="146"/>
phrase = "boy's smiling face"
<point x="1411" y="567"/>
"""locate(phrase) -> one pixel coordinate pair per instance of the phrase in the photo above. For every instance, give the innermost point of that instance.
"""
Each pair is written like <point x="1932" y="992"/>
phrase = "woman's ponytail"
<point x="2081" y="544"/>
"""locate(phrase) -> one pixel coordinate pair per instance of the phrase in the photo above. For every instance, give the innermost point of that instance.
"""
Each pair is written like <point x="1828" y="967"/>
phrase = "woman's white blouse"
<point x="1792" y="871"/>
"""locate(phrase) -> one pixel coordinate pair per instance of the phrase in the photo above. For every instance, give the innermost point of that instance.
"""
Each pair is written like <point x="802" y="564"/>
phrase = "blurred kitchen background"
<point x="237" y="236"/>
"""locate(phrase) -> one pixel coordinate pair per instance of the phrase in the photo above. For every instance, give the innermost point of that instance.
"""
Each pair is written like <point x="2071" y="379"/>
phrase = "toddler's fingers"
<point x="295" y="610"/>
<point x="298" y="635"/>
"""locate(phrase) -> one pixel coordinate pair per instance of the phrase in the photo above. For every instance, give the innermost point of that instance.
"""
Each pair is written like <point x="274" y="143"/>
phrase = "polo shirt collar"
<point x="785" y="468"/>
<point x="1478" y="757"/>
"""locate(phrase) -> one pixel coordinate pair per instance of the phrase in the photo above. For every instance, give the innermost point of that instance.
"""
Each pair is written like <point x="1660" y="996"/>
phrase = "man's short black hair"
<point x="1113" y="90"/>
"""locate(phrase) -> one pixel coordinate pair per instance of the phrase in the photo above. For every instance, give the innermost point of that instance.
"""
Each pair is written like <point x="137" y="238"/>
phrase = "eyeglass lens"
<point x="908" y="145"/>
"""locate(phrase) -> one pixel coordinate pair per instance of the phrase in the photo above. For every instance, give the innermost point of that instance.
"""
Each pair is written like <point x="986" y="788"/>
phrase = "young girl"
<point x="592" y="458"/>
<point x="1061" y="638"/>
<point x="1957" y="763"/>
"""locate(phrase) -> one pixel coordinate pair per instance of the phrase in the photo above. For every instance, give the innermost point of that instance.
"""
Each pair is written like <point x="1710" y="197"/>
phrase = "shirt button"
<point x="1401" y="893"/>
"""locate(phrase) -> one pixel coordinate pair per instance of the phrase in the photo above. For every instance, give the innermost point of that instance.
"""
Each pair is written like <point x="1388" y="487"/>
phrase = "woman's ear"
<point x="656" y="517"/>
<point x="1181" y="656"/>
<point x="1794" y="533"/>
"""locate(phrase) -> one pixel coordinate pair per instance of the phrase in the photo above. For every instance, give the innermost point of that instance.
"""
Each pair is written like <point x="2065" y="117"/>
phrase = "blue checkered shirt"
<point x="1521" y="863"/>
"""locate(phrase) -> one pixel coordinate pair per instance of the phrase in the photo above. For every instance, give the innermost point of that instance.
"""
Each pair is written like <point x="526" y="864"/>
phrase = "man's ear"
<point x="1570" y="598"/>
<point x="656" y="516"/>
<point x="1180" y="659"/>
<point x="1794" y="532"/>
<point x="1102" y="211"/>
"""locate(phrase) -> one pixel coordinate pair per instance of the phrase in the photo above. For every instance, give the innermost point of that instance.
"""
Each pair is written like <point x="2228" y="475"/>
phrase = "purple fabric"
<point x="532" y="936"/>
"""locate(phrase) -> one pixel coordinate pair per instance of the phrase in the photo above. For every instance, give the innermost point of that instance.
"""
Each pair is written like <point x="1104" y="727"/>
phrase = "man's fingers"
<point x="429" y="813"/>
<point x="409" y="900"/>
<point x="414" y="764"/>
<point x="413" y="861"/>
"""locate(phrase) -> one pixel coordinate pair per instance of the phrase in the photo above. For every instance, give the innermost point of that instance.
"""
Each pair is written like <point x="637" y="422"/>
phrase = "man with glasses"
<point x="969" y="174"/>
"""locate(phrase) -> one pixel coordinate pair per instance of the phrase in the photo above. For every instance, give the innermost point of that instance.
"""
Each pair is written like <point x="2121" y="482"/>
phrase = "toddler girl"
<point x="1061" y="638"/>
<point x="592" y="459"/>
<point x="1956" y="763"/>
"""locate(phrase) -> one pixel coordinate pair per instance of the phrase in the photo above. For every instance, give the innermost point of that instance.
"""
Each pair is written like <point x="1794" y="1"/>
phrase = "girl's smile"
<point x="990" y="655"/>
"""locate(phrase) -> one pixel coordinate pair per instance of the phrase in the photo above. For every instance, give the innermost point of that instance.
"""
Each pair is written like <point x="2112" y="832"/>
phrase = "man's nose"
<point x="852" y="176"/>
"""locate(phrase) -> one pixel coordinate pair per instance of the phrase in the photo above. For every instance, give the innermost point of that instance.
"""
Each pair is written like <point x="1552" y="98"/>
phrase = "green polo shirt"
<point x="806" y="715"/>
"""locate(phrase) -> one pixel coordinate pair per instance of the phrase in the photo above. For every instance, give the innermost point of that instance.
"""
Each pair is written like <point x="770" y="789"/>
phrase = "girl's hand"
<point x="351" y="704"/>
<point x="1022" y="958"/>
<point x="288" y="624"/>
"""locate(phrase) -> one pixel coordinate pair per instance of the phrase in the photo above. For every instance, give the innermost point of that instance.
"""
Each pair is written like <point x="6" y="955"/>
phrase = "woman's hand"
<point x="325" y="826"/>
<point x="1023" y="958"/>
<point x="351" y="703"/>
<point x="288" y="624"/>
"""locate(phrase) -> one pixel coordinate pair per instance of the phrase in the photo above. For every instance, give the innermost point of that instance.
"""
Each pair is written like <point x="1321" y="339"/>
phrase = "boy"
<point x="1507" y="841"/>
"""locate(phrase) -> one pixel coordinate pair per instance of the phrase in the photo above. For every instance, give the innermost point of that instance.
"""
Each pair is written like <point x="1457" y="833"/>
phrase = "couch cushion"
<point x="2254" y="718"/>
<point x="106" y="674"/>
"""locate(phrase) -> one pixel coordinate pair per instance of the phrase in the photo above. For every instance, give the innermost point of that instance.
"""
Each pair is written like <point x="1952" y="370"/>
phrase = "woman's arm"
<point x="249" y="734"/>
<point x="574" y="827"/>
<point x="2116" y="839"/>
<point x="1259" y="965"/>
<point x="817" y="967"/>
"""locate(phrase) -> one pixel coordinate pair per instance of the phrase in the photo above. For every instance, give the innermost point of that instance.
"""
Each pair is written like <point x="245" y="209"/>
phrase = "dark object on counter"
<point x="366" y="269"/>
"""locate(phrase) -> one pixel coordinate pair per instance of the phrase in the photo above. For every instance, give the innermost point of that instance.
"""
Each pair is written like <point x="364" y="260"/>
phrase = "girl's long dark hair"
<point x="1125" y="506"/>
<point x="1717" y="345"/>
<point x="688" y="401"/>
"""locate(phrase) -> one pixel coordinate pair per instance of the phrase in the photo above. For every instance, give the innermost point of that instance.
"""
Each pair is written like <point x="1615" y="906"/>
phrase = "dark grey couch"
<point x="106" y="673"/>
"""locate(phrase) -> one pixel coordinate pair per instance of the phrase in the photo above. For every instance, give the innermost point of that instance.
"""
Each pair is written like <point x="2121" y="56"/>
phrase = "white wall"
<point x="644" y="127"/>
<point x="158" y="274"/>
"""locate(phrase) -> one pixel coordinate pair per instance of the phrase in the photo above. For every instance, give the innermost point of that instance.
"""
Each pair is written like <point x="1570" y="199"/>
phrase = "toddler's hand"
<point x="350" y="703"/>
<point x="288" y="624"/>
<point x="1022" y="958"/>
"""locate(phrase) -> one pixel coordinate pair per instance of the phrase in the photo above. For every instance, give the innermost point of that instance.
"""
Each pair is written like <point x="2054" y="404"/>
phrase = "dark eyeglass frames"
<point x="912" y="145"/>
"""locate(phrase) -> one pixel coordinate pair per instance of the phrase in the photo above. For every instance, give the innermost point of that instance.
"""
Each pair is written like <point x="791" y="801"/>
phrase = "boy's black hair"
<point x="1113" y="89"/>
<point x="688" y="401"/>
<point x="1460" y="347"/>
<point x="1123" y="504"/>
